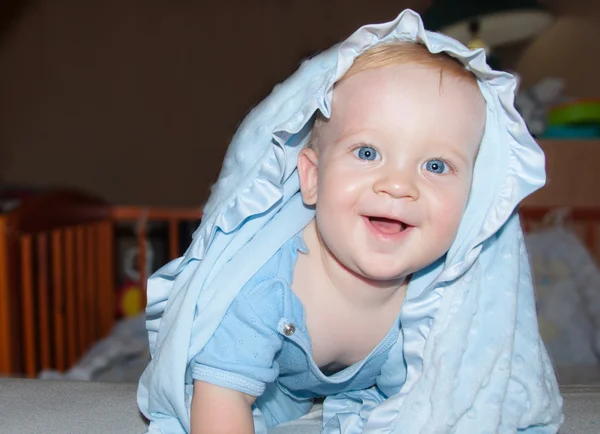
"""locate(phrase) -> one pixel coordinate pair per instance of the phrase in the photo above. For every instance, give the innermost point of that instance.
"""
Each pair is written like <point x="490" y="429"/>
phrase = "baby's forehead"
<point x="405" y="96"/>
<point x="398" y="87"/>
<point x="414" y="76"/>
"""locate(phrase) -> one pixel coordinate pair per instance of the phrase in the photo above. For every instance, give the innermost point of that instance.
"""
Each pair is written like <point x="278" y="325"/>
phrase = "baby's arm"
<point x="216" y="410"/>
<point x="237" y="363"/>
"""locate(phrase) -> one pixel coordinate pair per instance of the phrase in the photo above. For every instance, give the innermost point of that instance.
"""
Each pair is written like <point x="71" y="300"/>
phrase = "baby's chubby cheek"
<point x="444" y="221"/>
<point x="339" y="193"/>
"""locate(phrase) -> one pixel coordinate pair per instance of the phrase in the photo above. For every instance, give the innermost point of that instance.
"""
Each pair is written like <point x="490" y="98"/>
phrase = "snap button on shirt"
<point x="289" y="329"/>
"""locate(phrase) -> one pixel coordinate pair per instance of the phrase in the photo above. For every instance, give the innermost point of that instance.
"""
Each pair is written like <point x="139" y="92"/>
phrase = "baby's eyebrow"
<point x="348" y="135"/>
<point x="459" y="153"/>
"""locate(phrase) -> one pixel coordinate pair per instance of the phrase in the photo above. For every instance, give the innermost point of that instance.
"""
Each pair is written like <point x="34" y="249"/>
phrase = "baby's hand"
<point x="218" y="410"/>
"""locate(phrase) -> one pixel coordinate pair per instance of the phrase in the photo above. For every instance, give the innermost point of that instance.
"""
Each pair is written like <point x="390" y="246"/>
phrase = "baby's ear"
<point x="308" y="173"/>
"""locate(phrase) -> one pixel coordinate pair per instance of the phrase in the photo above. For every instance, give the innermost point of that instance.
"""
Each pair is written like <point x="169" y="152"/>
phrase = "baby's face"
<point x="394" y="168"/>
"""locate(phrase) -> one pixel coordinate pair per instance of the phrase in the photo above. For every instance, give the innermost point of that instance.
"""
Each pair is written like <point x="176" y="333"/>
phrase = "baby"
<point x="362" y="246"/>
<point x="389" y="175"/>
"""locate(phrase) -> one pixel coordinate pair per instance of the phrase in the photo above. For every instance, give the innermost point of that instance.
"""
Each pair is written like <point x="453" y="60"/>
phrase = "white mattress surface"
<point x="53" y="407"/>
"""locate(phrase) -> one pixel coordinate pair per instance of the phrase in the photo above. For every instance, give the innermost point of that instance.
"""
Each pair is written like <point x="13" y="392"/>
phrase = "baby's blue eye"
<point x="366" y="153"/>
<point x="436" y="166"/>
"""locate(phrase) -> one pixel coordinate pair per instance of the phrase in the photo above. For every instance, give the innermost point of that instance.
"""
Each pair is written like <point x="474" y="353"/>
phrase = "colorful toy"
<point x="579" y="119"/>
<point x="129" y="296"/>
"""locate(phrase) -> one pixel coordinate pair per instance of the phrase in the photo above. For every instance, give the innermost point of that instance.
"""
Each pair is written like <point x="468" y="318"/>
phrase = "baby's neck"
<point x="328" y="273"/>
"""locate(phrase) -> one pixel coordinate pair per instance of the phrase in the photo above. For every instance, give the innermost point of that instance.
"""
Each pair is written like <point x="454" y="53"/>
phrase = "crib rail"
<point x="67" y="296"/>
<point x="142" y="216"/>
<point x="5" y="301"/>
<point x="58" y="280"/>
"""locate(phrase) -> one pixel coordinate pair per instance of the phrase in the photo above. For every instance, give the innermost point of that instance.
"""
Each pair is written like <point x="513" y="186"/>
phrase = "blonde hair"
<point x="393" y="54"/>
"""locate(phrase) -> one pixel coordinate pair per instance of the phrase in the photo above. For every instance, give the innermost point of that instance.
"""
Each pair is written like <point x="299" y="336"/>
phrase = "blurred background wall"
<point x="136" y="101"/>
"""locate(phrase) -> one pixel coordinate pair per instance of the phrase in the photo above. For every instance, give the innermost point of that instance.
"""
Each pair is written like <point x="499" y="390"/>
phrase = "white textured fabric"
<point x="474" y="356"/>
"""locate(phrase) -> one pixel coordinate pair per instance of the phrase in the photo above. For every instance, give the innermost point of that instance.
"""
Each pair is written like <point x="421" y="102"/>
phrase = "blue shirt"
<point x="263" y="338"/>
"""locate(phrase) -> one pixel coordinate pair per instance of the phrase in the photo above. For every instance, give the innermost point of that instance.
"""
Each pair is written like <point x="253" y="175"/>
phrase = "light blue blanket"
<point x="475" y="360"/>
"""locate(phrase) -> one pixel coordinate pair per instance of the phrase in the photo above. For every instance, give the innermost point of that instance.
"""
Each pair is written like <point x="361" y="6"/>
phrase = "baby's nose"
<point x="397" y="185"/>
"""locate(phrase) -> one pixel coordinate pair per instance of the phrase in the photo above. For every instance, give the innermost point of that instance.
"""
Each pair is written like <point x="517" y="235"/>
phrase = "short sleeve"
<point x="241" y="353"/>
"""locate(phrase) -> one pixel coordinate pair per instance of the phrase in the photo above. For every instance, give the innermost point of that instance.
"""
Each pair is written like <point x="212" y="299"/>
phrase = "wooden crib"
<point x="57" y="275"/>
<point x="57" y="272"/>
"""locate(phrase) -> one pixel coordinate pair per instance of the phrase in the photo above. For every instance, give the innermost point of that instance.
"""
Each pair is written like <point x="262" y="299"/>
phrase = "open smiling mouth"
<point x="387" y="226"/>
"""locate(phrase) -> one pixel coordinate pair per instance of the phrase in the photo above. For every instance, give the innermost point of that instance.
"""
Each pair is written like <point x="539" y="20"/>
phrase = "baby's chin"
<point x="382" y="276"/>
